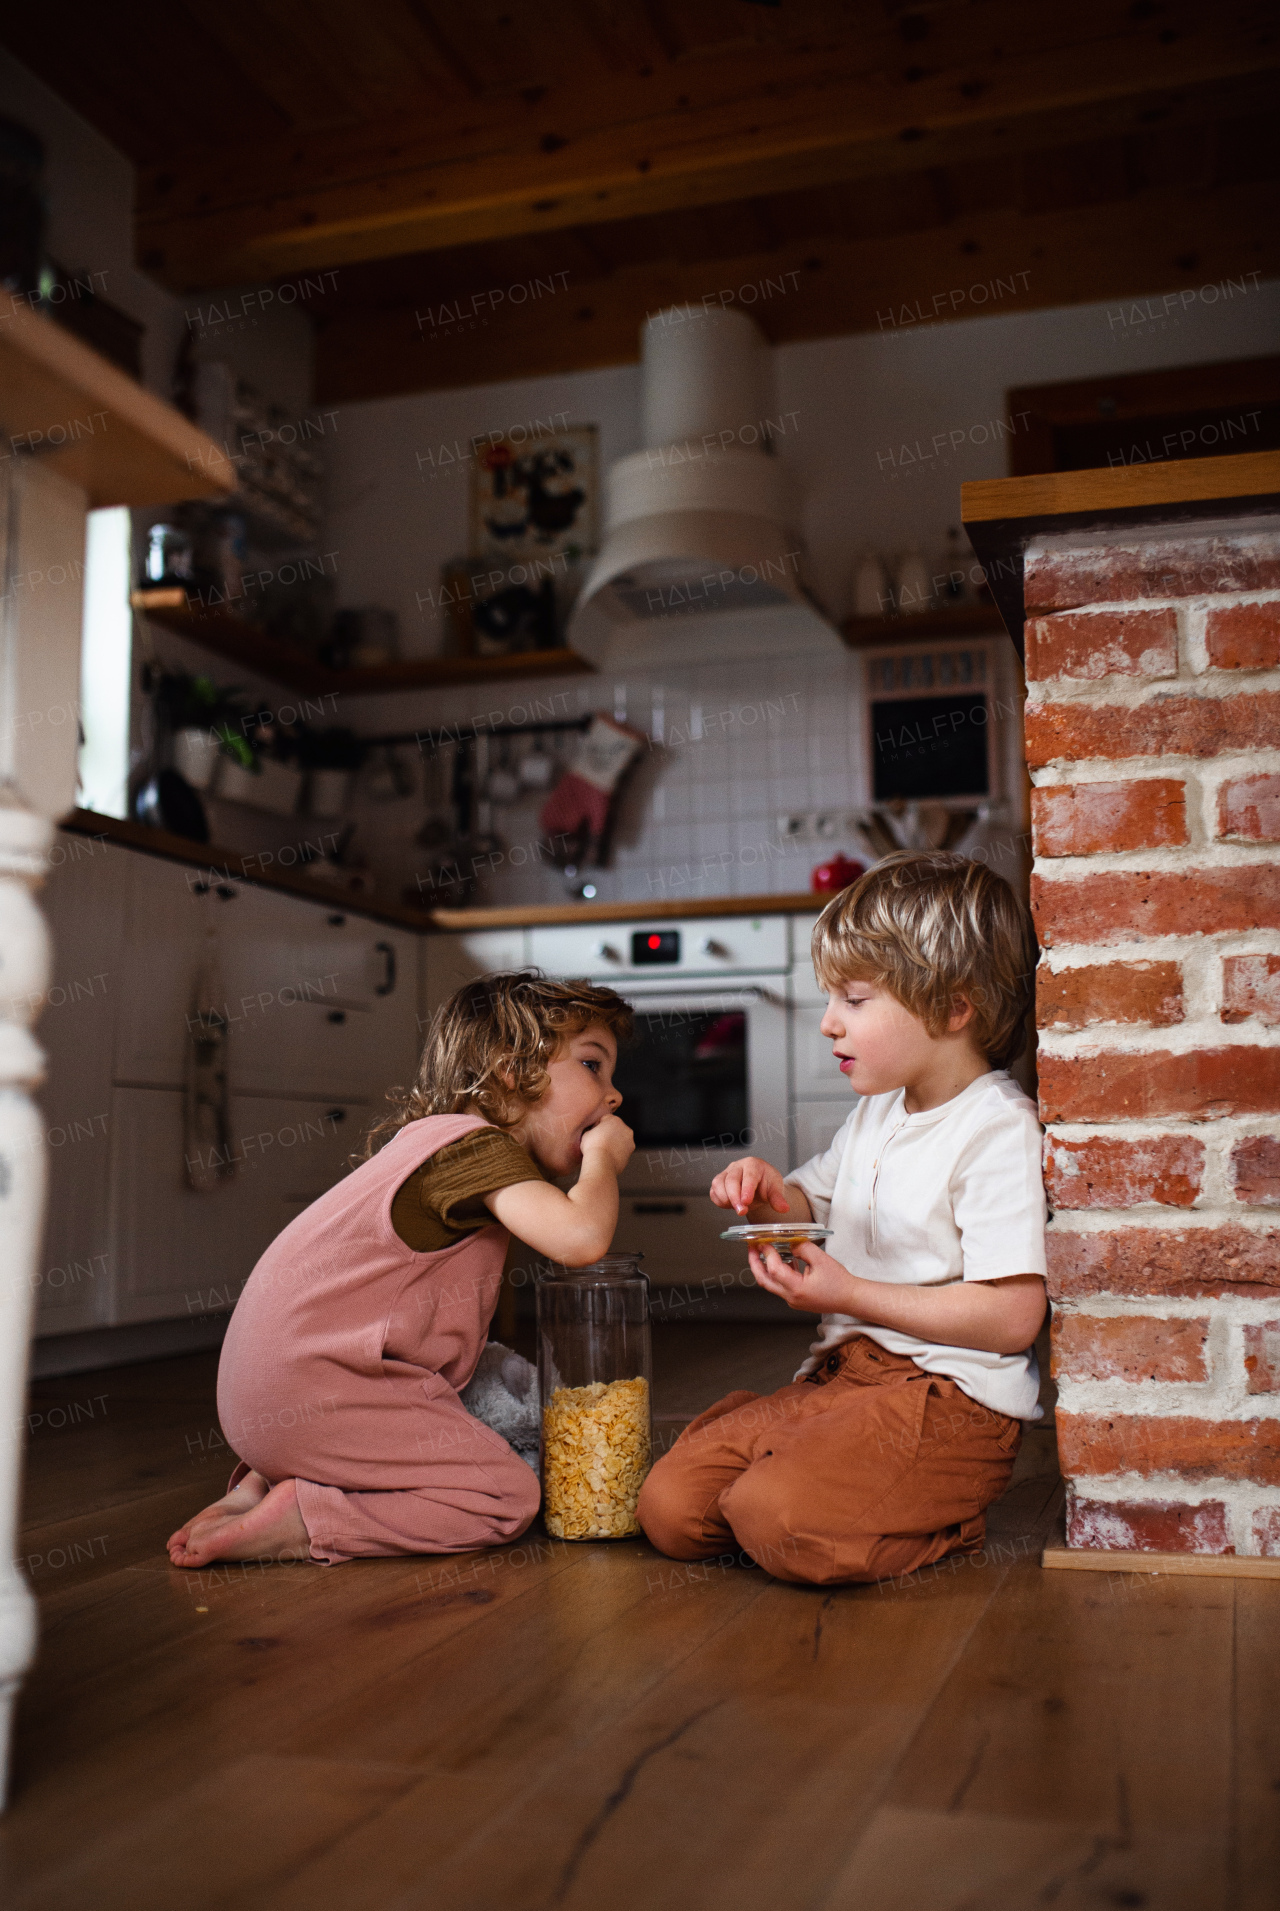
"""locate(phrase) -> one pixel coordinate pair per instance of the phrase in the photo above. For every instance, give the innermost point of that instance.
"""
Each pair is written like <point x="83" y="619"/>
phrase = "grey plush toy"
<point x="503" y="1392"/>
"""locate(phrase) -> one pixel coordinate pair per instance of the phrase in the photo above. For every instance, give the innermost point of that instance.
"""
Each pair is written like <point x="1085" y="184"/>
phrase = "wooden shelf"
<point x="220" y="864"/>
<point x="1131" y="487"/>
<point x="235" y="865"/>
<point x="949" y="620"/>
<point x="92" y="423"/>
<point x="535" y="915"/>
<point x="1002" y="516"/>
<point x="284" y="663"/>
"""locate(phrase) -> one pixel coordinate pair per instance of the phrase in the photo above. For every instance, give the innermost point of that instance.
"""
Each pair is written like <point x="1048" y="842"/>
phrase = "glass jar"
<point x="594" y="1373"/>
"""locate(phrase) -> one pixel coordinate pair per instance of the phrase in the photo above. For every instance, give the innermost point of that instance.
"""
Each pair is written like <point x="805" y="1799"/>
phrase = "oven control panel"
<point x="721" y="945"/>
<point x="655" y="948"/>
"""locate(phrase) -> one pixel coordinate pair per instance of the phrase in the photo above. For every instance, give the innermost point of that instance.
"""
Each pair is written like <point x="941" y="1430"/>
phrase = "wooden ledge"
<point x="1003" y="516"/>
<point x="1059" y="1557"/>
<point x="1247" y="474"/>
<point x="67" y="405"/>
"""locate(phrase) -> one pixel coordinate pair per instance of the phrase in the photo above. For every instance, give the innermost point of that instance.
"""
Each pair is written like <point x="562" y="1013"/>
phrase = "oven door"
<point x="703" y="1081"/>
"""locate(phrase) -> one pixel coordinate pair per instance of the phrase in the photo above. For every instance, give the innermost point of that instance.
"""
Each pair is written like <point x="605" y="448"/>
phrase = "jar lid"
<point x="779" y="1234"/>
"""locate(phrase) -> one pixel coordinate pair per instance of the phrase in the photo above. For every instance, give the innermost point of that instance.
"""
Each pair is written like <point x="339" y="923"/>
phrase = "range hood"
<point x="700" y="558"/>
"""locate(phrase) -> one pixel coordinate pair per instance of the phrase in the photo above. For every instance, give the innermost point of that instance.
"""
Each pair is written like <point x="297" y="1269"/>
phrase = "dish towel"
<point x="578" y="814"/>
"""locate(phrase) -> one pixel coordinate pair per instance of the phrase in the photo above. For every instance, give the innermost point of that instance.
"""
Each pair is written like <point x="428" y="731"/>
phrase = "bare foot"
<point x="252" y="1488"/>
<point x="270" y="1529"/>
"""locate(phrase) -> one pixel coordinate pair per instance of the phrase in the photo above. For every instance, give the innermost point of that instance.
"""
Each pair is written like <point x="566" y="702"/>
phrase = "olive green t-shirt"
<point x="444" y="1198"/>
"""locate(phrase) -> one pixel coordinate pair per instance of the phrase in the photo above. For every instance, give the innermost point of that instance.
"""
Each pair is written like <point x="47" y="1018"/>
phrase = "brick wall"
<point x="1153" y="737"/>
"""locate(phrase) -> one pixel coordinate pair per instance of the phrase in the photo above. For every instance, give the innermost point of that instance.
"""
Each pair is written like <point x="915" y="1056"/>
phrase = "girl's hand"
<point x="820" y="1286"/>
<point x="751" y="1181"/>
<point x="612" y="1139"/>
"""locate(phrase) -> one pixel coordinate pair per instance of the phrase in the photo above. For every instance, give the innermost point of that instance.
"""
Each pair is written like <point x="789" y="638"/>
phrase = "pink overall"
<point x="342" y="1365"/>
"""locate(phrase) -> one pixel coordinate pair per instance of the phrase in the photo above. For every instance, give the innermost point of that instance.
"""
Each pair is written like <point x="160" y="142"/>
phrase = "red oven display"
<point x="652" y="947"/>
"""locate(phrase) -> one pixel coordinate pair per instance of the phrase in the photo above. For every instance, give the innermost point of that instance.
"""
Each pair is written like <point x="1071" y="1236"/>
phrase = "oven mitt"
<point x="578" y="813"/>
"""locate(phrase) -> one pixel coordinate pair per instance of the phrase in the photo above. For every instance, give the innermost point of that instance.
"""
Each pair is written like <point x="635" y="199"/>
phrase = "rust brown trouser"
<point x="868" y="1468"/>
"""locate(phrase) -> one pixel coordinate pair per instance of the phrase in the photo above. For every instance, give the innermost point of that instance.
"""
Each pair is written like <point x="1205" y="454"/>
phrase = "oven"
<point x="703" y="1081"/>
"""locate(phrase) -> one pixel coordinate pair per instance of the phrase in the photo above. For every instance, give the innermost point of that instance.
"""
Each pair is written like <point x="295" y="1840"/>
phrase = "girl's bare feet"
<point x="252" y="1488"/>
<point x="256" y="1521"/>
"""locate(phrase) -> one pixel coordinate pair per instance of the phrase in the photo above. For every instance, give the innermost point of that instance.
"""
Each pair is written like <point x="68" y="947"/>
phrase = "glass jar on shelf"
<point x="594" y="1388"/>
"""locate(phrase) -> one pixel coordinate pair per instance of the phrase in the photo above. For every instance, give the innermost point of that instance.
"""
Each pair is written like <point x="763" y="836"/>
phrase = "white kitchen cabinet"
<point x="181" y="1253"/>
<point x="317" y="1001"/>
<point x="814" y="1069"/>
<point x="816" y="1125"/>
<point x="84" y="903"/>
<point x="679" y="1236"/>
<point x="802" y="928"/>
<point x="450" y="961"/>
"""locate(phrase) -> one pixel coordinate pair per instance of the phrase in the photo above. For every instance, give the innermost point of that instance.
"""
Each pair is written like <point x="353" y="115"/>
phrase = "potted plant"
<point x="331" y="757"/>
<point x="205" y="722"/>
<point x="272" y="778"/>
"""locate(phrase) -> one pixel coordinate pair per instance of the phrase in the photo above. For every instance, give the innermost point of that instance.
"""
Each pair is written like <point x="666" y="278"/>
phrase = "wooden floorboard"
<point x="550" y="1725"/>
<point x="1107" y="1706"/>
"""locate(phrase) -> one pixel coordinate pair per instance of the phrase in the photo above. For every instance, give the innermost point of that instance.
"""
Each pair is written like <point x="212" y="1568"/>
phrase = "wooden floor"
<point x="552" y="1725"/>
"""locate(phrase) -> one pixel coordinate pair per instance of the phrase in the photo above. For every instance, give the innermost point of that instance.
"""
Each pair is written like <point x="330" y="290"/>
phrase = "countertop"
<point x="226" y="865"/>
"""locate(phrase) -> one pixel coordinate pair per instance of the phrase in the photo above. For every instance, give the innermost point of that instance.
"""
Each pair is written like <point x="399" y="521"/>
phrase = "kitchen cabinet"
<point x="182" y="1253"/>
<point x="84" y="902"/>
<point x="451" y="961"/>
<point x="679" y="1236"/>
<point x="816" y="1123"/>
<point x="815" y="1072"/>
<point x="322" y="1011"/>
<point x="317" y="1000"/>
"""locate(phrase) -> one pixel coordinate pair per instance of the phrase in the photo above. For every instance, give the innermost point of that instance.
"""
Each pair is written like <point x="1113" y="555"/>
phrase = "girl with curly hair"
<point x="340" y="1374"/>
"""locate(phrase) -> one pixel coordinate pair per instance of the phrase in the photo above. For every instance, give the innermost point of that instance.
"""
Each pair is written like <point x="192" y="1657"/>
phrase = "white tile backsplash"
<point x="699" y="818"/>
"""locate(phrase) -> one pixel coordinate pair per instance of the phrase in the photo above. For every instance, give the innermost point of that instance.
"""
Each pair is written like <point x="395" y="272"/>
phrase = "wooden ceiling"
<point x="497" y="188"/>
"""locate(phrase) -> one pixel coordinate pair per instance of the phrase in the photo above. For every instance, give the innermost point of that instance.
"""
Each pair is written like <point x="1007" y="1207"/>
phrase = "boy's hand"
<point x="820" y="1286"/>
<point x="612" y="1139"/>
<point x="750" y="1182"/>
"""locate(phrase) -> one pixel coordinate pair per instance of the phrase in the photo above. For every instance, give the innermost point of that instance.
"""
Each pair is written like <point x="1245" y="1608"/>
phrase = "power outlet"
<point x="811" y="826"/>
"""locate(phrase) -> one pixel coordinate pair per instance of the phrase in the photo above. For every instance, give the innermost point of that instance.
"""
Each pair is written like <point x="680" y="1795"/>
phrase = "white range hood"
<point x="700" y="558"/>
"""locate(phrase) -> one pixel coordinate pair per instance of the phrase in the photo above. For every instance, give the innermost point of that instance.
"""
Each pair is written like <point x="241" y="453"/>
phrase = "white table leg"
<point x="24" y="974"/>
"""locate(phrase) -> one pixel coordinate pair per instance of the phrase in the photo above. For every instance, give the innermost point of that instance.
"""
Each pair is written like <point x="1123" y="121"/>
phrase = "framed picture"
<point x="493" y="610"/>
<point x="537" y="494"/>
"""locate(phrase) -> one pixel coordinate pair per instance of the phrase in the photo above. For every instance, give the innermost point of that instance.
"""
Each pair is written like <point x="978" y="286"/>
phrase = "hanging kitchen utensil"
<point x="536" y="767"/>
<point x="390" y="777"/>
<point x="208" y="1158"/>
<point x="168" y="801"/>
<point x="503" y="785"/>
<point x="438" y="827"/>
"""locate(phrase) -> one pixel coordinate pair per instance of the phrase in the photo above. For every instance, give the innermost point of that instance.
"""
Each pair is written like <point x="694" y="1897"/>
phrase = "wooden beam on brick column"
<point x="999" y="261"/>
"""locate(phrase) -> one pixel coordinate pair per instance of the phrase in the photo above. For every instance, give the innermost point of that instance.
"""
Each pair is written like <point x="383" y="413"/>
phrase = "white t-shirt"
<point x="954" y="1193"/>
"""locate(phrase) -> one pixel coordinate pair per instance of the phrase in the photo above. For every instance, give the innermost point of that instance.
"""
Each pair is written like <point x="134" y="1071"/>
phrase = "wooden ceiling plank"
<point x="744" y="147"/>
<point x="124" y="85"/>
<point x="300" y="68"/>
<point x="996" y="35"/>
<point x="395" y="58"/>
<point x="499" y="43"/>
<point x="1135" y="249"/>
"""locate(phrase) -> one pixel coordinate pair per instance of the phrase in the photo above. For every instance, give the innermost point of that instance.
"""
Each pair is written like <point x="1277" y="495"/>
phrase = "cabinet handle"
<point x="337" y="1015"/>
<point x="335" y="1114"/>
<point x="337" y="922"/>
<point x="659" y="1207"/>
<point x="388" y="954"/>
<point x="226" y="893"/>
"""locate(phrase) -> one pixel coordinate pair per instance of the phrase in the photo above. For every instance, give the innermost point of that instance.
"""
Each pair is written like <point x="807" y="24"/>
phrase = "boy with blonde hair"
<point x="904" y="1423"/>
